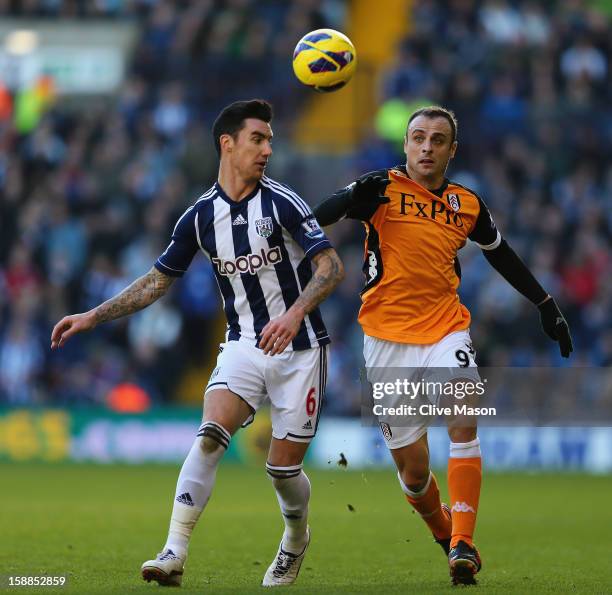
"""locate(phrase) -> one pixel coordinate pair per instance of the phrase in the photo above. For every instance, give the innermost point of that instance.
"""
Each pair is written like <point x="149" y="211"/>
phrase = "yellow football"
<point x="324" y="59"/>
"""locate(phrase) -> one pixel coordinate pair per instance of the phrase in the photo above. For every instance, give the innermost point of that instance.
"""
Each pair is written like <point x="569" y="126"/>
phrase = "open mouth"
<point x="426" y="162"/>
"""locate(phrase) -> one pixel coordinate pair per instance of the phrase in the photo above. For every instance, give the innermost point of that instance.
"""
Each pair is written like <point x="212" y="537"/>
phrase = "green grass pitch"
<point x="537" y="533"/>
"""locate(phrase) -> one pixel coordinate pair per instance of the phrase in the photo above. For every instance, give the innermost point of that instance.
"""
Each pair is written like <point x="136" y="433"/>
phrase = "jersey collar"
<point x="437" y="191"/>
<point x="227" y="199"/>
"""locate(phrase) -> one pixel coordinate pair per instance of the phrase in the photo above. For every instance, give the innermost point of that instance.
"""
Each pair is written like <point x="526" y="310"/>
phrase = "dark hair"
<point x="231" y="119"/>
<point x="435" y="111"/>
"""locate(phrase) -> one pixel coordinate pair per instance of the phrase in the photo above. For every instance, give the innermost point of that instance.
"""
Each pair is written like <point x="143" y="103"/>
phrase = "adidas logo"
<point x="307" y="425"/>
<point x="240" y="220"/>
<point x="462" y="507"/>
<point x="185" y="499"/>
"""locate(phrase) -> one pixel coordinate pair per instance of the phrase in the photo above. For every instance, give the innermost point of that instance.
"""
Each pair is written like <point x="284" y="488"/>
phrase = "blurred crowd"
<point x="88" y="198"/>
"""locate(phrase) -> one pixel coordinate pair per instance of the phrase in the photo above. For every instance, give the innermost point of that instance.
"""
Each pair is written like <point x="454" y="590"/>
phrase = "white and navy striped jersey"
<point x="260" y="249"/>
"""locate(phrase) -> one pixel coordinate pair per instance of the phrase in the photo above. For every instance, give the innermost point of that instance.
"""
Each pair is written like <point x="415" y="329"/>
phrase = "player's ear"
<point x="227" y="142"/>
<point x="453" y="149"/>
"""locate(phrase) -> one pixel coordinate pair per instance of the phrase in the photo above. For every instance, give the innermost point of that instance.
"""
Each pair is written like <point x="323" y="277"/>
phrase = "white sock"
<point x="465" y="450"/>
<point x="195" y="484"/>
<point x="293" y="493"/>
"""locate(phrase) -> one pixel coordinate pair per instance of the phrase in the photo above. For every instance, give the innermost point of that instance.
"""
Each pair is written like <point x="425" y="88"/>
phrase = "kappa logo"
<point x="453" y="202"/>
<point x="240" y="220"/>
<point x="462" y="507"/>
<point x="250" y="263"/>
<point x="264" y="227"/>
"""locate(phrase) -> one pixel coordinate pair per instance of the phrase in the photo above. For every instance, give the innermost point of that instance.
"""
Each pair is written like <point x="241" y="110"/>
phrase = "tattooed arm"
<point x="141" y="293"/>
<point x="278" y="333"/>
<point x="328" y="273"/>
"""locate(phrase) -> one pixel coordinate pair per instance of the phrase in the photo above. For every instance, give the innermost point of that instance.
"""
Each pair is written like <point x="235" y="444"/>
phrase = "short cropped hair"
<point x="231" y="119"/>
<point x="435" y="111"/>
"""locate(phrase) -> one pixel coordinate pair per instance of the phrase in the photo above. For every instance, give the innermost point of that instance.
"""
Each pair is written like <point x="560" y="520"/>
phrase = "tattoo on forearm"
<point x="142" y="292"/>
<point x="329" y="272"/>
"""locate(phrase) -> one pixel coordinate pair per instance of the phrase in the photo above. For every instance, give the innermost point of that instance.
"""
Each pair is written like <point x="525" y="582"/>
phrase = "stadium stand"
<point x="88" y="198"/>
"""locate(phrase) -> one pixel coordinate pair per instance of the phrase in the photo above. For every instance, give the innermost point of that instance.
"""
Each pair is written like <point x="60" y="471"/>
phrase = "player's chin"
<point x="427" y="167"/>
<point x="259" y="170"/>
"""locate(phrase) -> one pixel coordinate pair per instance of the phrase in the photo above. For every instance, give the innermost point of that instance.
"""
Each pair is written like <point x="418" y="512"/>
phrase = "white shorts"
<point x="293" y="381"/>
<point x="450" y="358"/>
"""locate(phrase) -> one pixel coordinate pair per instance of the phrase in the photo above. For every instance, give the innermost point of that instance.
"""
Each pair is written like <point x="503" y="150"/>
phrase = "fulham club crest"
<point x="453" y="202"/>
<point x="263" y="227"/>
<point x="386" y="430"/>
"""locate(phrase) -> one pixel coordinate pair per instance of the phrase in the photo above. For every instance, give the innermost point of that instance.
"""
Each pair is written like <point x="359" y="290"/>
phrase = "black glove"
<point x="367" y="193"/>
<point x="555" y="326"/>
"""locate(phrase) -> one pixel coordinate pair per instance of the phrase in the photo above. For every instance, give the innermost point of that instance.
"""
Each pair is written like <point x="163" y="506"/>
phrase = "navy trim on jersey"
<point x="216" y="384"/>
<point x="298" y="219"/>
<point x="294" y="215"/>
<point x="252" y="286"/>
<point x="284" y="270"/>
<point x="231" y="202"/>
<point x="177" y="257"/>
<point x="225" y="287"/>
<point x="322" y="383"/>
<point x="288" y="193"/>
<point x="166" y="270"/>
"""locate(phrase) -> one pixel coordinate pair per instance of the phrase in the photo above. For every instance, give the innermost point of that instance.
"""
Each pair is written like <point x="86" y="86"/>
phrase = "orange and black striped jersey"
<point x="411" y="267"/>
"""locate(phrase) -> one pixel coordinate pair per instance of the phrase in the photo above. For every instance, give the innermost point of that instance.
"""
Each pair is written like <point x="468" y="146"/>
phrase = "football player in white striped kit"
<point x="261" y="239"/>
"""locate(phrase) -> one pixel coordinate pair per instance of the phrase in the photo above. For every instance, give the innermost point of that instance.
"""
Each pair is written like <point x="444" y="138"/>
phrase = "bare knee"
<point x="209" y="446"/>
<point x="286" y="453"/>
<point x="412" y="462"/>
<point x="462" y="434"/>
<point x="414" y="475"/>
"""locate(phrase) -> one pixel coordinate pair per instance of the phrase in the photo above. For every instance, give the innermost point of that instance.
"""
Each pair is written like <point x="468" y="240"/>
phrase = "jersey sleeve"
<point x="364" y="212"/>
<point x="177" y="257"/>
<point x="299" y="220"/>
<point x="485" y="233"/>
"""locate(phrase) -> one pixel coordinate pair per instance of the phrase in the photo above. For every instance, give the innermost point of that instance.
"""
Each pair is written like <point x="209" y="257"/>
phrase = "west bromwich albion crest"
<point x="453" y="202"/>
<point x="263" y="227"/>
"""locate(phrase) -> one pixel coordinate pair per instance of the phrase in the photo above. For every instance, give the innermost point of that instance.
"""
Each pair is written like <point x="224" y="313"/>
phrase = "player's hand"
<point x="279" y="333"/>
<point x="370" y="190"/>
<point x="555" y="326"/>
<point x="71" y="325"/>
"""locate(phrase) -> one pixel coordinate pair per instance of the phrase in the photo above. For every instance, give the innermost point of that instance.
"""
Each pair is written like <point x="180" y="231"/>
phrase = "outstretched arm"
<point x="278" y="333"/>
<point x="509" y="265"/>
<point x="358" y="200"/>
<point x="141" y="293"/>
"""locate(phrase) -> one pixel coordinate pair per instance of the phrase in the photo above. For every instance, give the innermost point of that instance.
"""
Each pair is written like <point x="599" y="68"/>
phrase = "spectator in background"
<point x="583" y="60"/>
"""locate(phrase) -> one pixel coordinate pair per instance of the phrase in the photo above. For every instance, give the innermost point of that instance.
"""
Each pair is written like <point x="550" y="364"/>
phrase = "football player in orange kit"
<point x="416" y="221"/>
